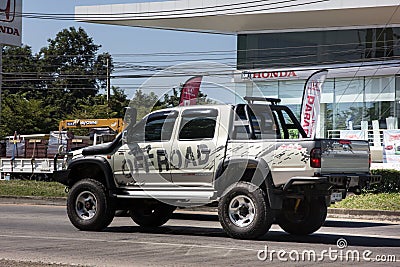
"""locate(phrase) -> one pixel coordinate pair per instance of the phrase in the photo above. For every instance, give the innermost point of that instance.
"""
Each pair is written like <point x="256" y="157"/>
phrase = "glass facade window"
<point x="345" y="102"/>
<point x="267" y="50"/>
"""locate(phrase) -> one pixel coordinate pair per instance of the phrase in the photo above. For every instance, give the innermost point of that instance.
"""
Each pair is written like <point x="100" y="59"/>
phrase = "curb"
<point x="375" y="215"/>
<point x="333" y="213"/>
<point x="32" y="200"/>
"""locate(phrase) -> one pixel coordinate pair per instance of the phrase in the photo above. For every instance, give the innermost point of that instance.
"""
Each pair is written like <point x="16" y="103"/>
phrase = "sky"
<point x="118" y="40"/>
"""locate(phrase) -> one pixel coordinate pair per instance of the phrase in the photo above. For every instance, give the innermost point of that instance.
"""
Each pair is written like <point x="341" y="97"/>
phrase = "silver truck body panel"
<point x="344" y="156"/>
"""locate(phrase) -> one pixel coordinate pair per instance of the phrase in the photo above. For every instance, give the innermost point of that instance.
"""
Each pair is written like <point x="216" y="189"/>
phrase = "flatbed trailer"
<point x="34" y="168"/>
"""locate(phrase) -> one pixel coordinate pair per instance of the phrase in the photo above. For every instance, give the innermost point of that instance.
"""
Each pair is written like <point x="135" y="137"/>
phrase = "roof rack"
<point x="251" y="99"/>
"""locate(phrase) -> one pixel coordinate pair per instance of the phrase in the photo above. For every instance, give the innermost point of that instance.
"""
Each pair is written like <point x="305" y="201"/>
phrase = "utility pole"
<point x="1" y="75"/>
<point x="108" y="81"/>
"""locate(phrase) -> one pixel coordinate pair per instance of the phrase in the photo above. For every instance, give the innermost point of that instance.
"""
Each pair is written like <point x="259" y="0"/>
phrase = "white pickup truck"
<point x="239" y="156"/>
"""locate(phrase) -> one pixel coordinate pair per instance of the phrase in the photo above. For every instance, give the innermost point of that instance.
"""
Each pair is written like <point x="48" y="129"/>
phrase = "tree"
<point x="25" y="116"/>
<point x="62" y="81"/>
<point x="19" y="70"/>
<point x="97" y="108"/>
<point x="144" y="103"/>
<point x="118" y="102"/>
<point x="71" y="70"/>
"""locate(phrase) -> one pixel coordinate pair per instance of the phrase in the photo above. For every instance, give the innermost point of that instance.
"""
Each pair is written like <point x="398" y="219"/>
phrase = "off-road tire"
<point x="310" y="216"/>
<point x="102" y="207"/>
<point x="151" y="213"/>
<point x="241" y="225"/>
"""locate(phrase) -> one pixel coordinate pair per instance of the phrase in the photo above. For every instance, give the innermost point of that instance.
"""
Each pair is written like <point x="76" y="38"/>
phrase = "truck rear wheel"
<point x="151" y="213"/>
<point x="244" y="211"/>
<point x="307" y="218"/>
<point x="88" y="206"/>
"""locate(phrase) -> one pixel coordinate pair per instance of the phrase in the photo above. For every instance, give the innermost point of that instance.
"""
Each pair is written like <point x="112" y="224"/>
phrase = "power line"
<point x="186" y="72"/>
<point x="275" y="50"/>
<point x="167" y="13"/>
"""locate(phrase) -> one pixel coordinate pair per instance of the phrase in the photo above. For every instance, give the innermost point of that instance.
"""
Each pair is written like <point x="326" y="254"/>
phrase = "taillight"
<point x="345" y="142"/>
<point x="315" y="158"/>
<point x="369" y="159"/>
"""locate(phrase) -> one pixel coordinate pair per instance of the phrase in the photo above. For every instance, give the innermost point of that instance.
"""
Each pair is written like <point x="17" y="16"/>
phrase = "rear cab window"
<point x="258" y="122"/>
<point x="253" y="122"/>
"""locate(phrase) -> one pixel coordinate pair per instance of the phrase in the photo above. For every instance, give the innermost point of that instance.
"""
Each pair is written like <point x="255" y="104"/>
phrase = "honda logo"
<point x="7" y="10"/>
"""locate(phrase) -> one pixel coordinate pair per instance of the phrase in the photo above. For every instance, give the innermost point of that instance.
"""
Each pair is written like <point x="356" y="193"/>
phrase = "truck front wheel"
<point x="302" y="217"/>
<point x="244" y="211"/>
<point x="151" y="213"/>
<point x="88" y="206"/>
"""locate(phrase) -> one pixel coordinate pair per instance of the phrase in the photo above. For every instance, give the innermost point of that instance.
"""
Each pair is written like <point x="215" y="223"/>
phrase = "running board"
<point x="187" y="196"/>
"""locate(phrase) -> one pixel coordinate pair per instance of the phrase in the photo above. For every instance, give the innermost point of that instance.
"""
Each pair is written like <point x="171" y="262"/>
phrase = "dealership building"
<point x="280" y="43"/>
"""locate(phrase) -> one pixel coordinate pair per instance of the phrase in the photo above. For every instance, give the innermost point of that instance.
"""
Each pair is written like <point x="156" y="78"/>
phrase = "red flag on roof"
<point x="190" y="91"/>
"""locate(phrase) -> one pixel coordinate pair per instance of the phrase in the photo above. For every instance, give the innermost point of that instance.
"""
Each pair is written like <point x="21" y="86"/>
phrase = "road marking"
<point x="190" y="246"/>
<point x="355" y="235"/>
<point x="177" y="245"/>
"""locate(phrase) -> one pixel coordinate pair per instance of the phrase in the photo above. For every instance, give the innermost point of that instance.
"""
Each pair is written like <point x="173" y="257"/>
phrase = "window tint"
<point x="259" y="118"/>
<point x="156" y="127"/>
<point x="262" y="122"/>
<point x="241" y="128"/>
<point x="197" y="128"/>
<point x="159" y="129"/>
<point x="286" y="126"/>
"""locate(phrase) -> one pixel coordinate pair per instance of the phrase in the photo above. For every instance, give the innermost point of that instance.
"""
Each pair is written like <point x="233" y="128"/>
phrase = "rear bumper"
<point x="353" y="180"/>
<point x="349" y="182"/>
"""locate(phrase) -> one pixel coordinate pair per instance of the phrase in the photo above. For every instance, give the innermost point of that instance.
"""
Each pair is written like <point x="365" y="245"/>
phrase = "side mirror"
<point x="60" y="149"/>
<point x="124" y="136"/>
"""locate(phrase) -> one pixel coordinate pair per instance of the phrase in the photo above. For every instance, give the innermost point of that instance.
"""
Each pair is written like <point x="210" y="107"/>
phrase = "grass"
<point x="31" y="188"/>
<point x="383" y="201"/>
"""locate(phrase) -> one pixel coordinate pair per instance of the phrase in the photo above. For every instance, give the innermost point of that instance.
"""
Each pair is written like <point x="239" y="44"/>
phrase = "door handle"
<point x="205" y="150"/>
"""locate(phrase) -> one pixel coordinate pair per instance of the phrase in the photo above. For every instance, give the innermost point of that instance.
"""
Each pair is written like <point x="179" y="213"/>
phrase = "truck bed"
<point x="28" y="166"/>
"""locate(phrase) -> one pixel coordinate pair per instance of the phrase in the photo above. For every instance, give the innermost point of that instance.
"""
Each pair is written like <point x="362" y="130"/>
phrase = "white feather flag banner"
<point x="310" y="105"/>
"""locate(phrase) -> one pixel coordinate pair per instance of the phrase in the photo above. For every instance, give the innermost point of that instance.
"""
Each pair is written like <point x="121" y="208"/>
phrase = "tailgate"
<point x="344" y="156"/>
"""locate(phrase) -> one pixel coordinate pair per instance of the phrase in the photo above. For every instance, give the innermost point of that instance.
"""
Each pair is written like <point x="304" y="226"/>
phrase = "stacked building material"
<point x="56" y="140"/>
<point x="35" y="148"/>
<point x="15" y="148"/>
<point x="2" y="148"/>
<point x="78" y="142"/>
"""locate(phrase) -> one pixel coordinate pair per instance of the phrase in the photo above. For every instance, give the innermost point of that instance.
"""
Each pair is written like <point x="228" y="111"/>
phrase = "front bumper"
<point x="62" y="177"/>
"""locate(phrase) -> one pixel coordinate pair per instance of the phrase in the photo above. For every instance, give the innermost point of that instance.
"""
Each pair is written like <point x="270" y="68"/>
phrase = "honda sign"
<point x="11" y="22"/>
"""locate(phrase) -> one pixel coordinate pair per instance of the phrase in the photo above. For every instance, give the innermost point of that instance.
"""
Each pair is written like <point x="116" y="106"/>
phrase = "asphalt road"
<point x="43" y="234"/>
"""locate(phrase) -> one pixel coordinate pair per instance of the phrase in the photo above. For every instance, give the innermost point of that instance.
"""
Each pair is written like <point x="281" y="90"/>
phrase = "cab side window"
<point x="156" y="127"/>
<point x="198" y="124"/>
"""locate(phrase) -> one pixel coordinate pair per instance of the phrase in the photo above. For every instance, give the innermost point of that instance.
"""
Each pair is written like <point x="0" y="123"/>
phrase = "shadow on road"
<point x="347" y="224"/>
<point x="275" y="236"/>
<point x="328" y="223"/>
<point x="195" y="217"/>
